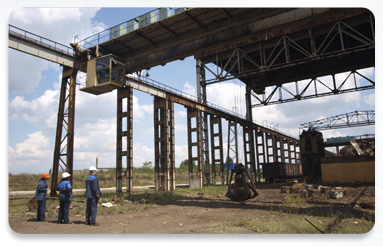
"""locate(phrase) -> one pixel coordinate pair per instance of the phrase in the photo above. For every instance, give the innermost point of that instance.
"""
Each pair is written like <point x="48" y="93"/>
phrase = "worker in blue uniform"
<point x="64" y="188"/>
<point x="93" y="193"/>
<point x="41" y="196"/>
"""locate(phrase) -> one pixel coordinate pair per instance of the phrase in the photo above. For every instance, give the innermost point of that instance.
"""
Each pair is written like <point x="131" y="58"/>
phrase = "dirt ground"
<point x="212" y="214"/>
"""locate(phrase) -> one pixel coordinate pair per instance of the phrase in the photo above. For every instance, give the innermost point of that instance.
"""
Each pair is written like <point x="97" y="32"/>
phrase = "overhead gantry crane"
<point x="244" y="43"/>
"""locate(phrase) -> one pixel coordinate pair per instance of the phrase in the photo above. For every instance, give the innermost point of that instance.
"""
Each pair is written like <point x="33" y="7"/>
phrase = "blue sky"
<point x="34" y="89"/>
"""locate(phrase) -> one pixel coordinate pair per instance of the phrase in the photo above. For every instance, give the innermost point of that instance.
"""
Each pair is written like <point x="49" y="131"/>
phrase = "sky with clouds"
<point x="33" y="99"/>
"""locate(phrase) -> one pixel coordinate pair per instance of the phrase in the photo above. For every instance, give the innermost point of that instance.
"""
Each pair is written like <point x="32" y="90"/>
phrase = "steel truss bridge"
<point x="351" y="119"/>
<point x="264" y="48"/>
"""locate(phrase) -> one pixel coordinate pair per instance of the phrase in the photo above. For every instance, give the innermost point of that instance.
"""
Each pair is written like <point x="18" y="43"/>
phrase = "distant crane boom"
<point x="351" y="119"/>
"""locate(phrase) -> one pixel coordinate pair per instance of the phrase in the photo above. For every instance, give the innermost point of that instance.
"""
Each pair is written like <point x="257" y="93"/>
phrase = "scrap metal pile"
<point x="360" y="147"/>
<point x="243" y="187"/>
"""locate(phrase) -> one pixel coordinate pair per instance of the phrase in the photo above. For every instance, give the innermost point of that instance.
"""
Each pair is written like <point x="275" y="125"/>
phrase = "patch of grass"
<point x="296" y="224"/>
<point x="206" y="191"/>
<point x="107" y="179"/>
<point x="23" y="182"/>
<point x="132" y="208"/>
<point x="242" y="223"/>
<point x="222" y="229"/>
<point x="105" y="210"/>
<point x="354" y="226"/>
<point x="274" y="225"/>
<point x="292" y="203"/>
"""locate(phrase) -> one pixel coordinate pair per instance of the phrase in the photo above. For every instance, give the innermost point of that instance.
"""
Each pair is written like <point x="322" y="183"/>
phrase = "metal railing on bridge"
<point x="36" y="39"/>
<point x="129" y="26"/>
<point x="167" y="88"/>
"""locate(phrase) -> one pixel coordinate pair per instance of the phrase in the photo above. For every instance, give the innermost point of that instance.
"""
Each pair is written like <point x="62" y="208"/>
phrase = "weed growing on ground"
<point x="292" y="203"/>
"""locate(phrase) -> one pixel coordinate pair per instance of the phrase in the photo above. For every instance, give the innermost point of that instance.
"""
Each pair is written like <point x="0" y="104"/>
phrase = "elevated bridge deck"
<point x="41" y="47"/>
<point x="280" y="45"/>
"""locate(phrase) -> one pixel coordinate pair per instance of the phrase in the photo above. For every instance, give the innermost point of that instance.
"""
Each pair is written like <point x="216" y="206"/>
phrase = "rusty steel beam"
<point x="164" y="165"/>
<point x="304" y="50"/>
<point x="195" y="147"/>
<point x="226" y="36"/>
<point x="192" y="103"/>
<point x="232" y="146"/>
<point x="274" y="27"/>
<point x="124" y="133"/>
<point x="218" y="34"/>
<point x="202" y="98"/>
<point x="248" y="143"/>
<point x="63" y="152"/>
<point x="260" y="151"/>
<point x="216" y="146"/>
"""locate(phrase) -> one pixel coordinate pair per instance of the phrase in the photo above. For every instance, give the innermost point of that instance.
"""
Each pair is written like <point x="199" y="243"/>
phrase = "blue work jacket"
<point x="41" y="190"/>
<point x="92" y="187"/>
<point x="65" y="189"/>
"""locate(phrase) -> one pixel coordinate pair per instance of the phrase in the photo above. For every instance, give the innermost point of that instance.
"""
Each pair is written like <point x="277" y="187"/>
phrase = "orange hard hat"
<point x="45" y="175"/>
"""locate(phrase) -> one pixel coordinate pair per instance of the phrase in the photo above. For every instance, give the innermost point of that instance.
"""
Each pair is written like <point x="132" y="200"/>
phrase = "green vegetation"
<point x="123" y="204"/>
<point x="290" y="215"/>
<point x="143" y="176"/>
<point x="279" y="219"/>
<point x="296" y="224"/>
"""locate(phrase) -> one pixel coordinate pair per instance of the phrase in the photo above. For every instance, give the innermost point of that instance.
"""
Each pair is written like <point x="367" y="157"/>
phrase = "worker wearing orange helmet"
<point x="41" y="196"/>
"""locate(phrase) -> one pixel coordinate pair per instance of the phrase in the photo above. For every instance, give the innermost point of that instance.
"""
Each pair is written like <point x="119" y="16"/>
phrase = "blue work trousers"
<point x="91" y="211"/>
<point x="41" y="209"/>
<point x="64" y="212"/>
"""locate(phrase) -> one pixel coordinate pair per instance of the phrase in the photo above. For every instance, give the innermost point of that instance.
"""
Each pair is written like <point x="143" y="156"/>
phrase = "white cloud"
<point x="369" y="99"/>
<point x="181" y="154"/>
<point x="181" y="128"/>
<point x="141" y="111"/>
<point x="58" y="24"/>
<point x="34" y="154"/>
<point x="69" y="21"/>
<point x="227" y="95"/>
<point x="189" y="89"/>
<point x="142" y="153"/>
<point x="35" y="146"/>
<point x="181" y="114"/>
<point x="42" y="110"/>
<point x="25" y="72"/>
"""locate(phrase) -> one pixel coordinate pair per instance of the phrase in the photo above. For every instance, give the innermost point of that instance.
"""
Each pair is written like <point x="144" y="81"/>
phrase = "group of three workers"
<point x="64" y="189"/>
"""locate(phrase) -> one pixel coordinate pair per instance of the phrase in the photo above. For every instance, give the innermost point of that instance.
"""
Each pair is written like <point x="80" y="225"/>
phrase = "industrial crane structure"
<point x="262" y="47"/>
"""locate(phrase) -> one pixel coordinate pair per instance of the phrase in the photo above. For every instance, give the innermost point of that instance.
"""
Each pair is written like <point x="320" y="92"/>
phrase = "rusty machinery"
<point x="243" y="187"/>
<point x="312" y="144"/>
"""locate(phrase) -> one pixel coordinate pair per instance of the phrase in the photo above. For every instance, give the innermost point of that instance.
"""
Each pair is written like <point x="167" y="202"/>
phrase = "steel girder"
<point x="63" y="152"/>
<point x="351" y="119"/>
<point x="216" y="148"/>
<point x="314" y="88"/>
<point x="195" y="147"/>
<point x="341" y="47"/>
<point x="202" y="98"/>
<point x="164" y="165"/>
<point x="124" y="133"/>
